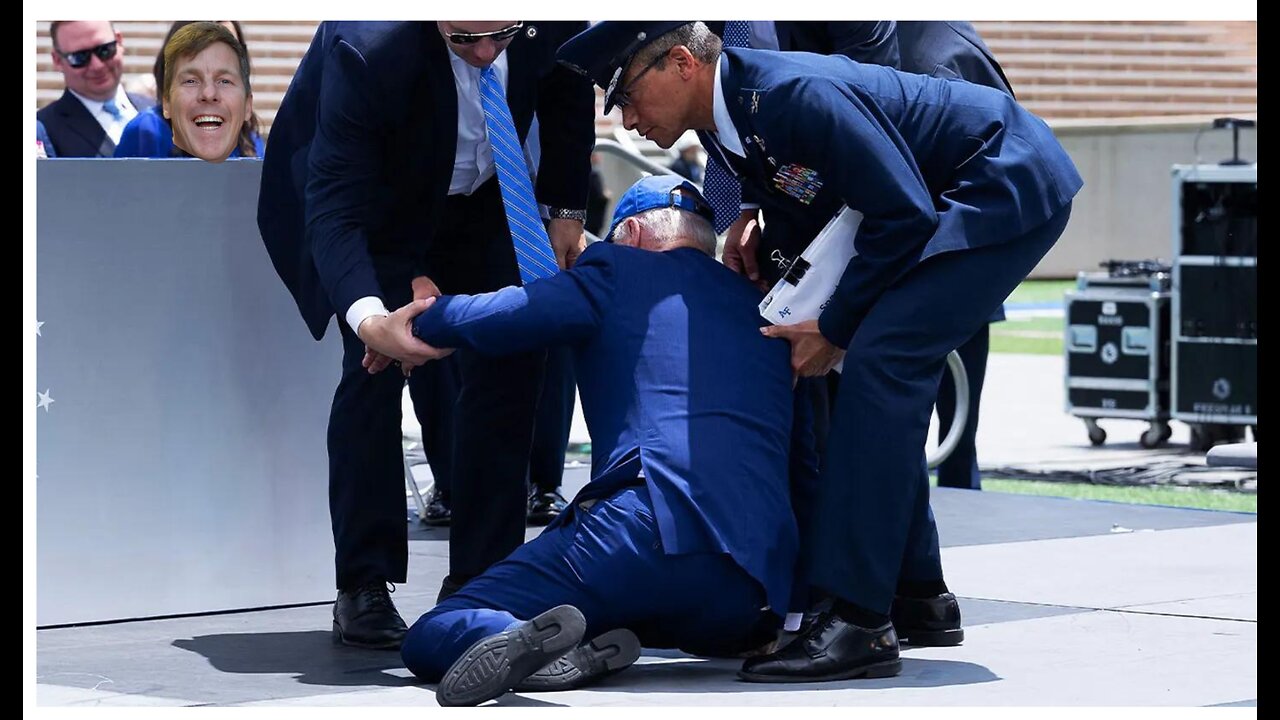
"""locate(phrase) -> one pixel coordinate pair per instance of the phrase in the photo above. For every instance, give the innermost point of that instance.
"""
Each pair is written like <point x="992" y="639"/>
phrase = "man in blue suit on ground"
<point x="380" y="184"/>
<point x="955" y="182"/>
<point x="684" y="535"/>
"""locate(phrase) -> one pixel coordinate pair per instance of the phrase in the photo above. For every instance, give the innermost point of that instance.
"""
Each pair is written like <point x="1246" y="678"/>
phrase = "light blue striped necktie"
<point x="533" y="247"/>
<point x="113" y="109"/>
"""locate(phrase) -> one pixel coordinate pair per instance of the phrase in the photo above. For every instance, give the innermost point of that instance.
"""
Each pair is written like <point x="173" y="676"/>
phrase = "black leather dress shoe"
<point x="437" y="513"/>
<point x="499" y="662"/>
<point x="832" y="650"/>
<point x="365" y="617"/>
<point x="545" y="506"/>
<point x="927" y="622"/>
<point x="607" y="654"/>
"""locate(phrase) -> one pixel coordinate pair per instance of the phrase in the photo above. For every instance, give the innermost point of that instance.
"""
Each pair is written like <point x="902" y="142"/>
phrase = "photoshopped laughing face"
<point x="207" y="102"/>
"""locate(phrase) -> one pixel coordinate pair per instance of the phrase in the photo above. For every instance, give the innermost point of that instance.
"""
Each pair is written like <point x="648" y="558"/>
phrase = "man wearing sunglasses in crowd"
<point x="89" y="117"/>
<point x="393" y="168"/>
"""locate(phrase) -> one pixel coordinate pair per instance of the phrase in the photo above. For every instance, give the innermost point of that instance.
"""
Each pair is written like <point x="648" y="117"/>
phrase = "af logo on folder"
<point x="807" y="286"/>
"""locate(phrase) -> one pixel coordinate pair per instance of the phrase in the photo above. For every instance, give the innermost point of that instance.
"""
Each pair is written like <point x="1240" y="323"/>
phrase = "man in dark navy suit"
<point x="955" y="182"/>
<point x="91" y="114"/>
<point x="380" y="185"/>
<point x="684" y="535"/>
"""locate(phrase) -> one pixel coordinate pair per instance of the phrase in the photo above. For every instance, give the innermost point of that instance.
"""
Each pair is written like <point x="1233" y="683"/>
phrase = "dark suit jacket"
<point x="361" y="153"/>
<point x="873" y="42"/>
<point x="949" y="50"/>
<point x="73" y="129"/>
<point x="934" y="165"/>
<point x="664" y="345"/>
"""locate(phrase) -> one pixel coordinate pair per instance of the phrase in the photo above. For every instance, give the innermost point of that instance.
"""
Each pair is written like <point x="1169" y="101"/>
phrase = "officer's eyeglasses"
<point x="622" y="97"/>
<point x="80" y="58"/>
<point x="469" y="38"/>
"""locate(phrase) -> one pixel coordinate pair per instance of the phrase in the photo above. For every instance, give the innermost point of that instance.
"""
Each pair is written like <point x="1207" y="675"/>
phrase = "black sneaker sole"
<point x="932" y="638"/>
<point x="494" y="664"/>
<point x="340" y="639"/>
<point x="885" y="669"/>
<point x="607" y="654"/>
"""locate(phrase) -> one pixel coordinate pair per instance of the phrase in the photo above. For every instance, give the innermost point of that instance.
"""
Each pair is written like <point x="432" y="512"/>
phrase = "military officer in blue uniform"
<point x="684" y="535"/>
<point x="956" y="182"/>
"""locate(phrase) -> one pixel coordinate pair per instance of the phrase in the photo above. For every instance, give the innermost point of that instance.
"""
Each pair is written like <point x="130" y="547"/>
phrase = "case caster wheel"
<point x="1097" y="435"/>
<point x="1206" y="435"/>
<point x="1155" y="436"/>
<point x="1200" y="438"/>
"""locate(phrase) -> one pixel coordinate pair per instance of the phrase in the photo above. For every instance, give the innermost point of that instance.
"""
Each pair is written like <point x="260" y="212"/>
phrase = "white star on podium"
<point x="45" y="401"/>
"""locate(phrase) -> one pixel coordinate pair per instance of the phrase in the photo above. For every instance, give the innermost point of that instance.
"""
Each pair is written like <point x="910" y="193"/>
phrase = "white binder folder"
<point x="808" y="284"/>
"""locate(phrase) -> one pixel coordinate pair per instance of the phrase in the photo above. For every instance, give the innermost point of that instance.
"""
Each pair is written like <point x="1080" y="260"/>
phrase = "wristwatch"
<point x="567" y="214"/>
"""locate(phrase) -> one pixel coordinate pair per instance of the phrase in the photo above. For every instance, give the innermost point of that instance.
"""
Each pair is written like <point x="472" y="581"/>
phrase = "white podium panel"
<point x="181" y="439"/>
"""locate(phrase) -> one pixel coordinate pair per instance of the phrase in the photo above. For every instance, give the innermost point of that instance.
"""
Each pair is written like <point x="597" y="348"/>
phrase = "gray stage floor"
<point x="1065" y="602"/>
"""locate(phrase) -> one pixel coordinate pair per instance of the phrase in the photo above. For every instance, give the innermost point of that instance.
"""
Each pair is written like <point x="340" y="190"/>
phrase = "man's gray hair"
<point x="702" y="43"/>
<point x="669" y="224"/>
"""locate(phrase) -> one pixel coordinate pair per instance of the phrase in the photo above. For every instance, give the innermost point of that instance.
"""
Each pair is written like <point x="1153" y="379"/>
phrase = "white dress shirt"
<point x="112" y="126"/>
<point x="472" y="162"/>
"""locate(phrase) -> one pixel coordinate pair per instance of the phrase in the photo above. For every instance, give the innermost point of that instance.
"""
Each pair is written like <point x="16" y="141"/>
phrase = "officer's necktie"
<point x="719" y="185"/>
<point x="112" y="109"/>
<point x="533" y="247"/>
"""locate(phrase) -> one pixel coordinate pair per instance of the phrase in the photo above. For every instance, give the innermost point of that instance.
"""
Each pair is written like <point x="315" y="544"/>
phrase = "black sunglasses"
<point x="468" y="38"/>
<point x="80" y="58"/>
<point x="622" y="96"/>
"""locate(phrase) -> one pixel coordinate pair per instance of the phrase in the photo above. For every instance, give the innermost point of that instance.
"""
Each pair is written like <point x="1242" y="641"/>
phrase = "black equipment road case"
<point x="1215" y="301"/>
<point x="1117" y="348"/>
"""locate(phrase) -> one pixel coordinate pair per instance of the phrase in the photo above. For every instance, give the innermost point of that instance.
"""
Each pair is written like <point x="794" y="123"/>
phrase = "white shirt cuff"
<point x="792" y="623"/>
<point x="363" y="309"/>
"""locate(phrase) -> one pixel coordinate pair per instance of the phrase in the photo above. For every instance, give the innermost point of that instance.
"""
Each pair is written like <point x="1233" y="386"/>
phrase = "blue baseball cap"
<point x="660" y="191"/>
<point x="603" y="51"/>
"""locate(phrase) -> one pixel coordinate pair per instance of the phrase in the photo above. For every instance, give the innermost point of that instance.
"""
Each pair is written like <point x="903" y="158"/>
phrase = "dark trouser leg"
<point x="493" y="430"/>
<point x="434" y="390"/>
<point x="366" y="472"/>
<point x="803" y="475"/>
<point x="872" y="481"/>
<point x="960" y="469"/>
<point x="493" y="418"/>
<point x="554" y="418"/>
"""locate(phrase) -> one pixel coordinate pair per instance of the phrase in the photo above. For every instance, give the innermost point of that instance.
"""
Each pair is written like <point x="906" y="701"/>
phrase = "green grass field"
<point x="1183" y="497"/>
<point x="1039" y="291"/>
<point x="1036" y="335"/>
